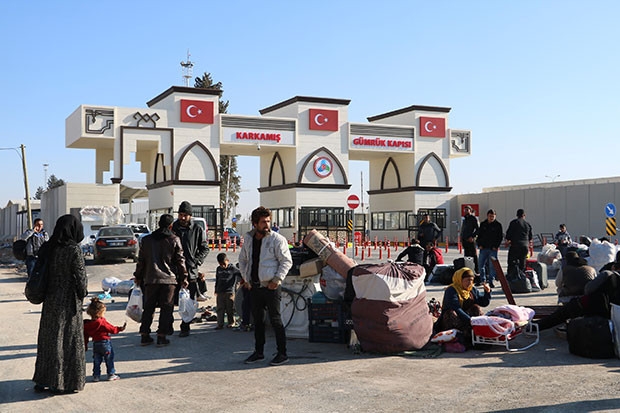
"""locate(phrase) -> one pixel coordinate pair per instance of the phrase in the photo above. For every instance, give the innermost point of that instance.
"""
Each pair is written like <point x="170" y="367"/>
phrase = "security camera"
<point x="257" y="147"/>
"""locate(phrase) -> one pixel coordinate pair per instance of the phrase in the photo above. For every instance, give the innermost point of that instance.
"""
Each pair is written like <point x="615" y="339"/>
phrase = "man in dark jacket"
<point x="490" y="236"/>
<point x="518" y="235"/>
<point x="195" y="250"/>
<point x="469" y="231"/>
<point x="34" y="237"/>
<point x="414" y="253"/>
<point x="428" y="231"/>
<point x="160" y="268"/>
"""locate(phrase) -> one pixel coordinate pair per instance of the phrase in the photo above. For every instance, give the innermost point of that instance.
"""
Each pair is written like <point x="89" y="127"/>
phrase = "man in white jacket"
<point x="264" y="261"/>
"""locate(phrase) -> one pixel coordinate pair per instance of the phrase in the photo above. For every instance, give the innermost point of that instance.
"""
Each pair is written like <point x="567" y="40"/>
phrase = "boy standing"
<point x="226" y="276"/>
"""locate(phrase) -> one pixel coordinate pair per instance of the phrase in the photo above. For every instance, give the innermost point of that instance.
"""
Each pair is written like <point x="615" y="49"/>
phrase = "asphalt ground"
<point x="205" y="371"/>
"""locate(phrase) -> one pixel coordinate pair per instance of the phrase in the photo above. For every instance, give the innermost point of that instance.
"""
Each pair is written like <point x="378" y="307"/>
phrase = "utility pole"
<point x="28" y="209"/>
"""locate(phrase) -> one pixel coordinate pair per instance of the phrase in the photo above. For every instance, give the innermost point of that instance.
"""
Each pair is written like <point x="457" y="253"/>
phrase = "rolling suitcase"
<point x="541" y="271"/>
<point x="464" y="262"/>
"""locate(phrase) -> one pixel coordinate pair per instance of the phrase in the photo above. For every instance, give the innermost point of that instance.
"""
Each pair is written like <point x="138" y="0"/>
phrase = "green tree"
<point x="231" y="181"/>
<point x="52" y="182"/>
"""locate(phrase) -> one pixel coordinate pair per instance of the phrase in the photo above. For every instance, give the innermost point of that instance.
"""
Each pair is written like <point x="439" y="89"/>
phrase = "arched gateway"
<point x="304" y="145"/>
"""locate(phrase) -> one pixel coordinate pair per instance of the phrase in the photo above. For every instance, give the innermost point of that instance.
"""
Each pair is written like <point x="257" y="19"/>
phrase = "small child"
<point x="99" y="329"/>
<point x="226" y="276"/>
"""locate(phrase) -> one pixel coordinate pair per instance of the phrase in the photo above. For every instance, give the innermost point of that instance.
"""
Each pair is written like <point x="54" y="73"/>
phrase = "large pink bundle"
<point x="390" y="313"/>
<point x="328" y="253"/>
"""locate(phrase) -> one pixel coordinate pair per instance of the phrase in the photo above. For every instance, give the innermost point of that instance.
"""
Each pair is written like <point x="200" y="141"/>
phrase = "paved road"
<point x="205" y="371"/>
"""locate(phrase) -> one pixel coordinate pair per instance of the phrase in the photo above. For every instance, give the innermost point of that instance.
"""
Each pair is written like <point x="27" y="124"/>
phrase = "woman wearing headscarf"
<point x="61" y="365"/>
<point x="572" y="279"/>
<point x="461" y="301"/>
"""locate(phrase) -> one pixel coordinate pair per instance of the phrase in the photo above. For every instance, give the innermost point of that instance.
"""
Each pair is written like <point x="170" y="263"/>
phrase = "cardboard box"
<point x="311" y="267"/>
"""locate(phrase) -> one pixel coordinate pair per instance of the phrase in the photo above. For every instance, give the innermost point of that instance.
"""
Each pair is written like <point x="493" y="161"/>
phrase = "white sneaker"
<point x="112" y="377"/>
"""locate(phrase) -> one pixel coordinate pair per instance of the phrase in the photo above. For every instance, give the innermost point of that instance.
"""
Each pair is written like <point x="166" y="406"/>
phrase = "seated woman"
<point x="461" y="301"/>
<point x="572" y="279"/>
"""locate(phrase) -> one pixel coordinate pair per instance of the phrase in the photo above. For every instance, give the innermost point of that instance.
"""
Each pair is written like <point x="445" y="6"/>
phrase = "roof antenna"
<point x="187" y="69"/>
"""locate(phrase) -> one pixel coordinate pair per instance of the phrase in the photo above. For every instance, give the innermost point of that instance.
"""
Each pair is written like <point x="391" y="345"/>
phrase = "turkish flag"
<point x="196" y="111"/>
<point x="434" y="127"/>
<point x="323" y="119"/>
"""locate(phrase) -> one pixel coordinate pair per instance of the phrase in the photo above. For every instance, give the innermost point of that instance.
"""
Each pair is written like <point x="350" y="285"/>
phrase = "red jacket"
<point x="99" y="329"/>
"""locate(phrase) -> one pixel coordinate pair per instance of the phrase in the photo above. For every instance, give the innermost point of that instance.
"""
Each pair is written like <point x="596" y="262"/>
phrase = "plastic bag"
<point x="110" y="283"/>
<point x="187" y="306"/>
<point x="332" y="283"/>
<point x="134" y="305"/>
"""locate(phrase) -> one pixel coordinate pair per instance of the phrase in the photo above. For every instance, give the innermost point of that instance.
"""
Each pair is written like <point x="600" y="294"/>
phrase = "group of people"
<point x="169" y="259"/>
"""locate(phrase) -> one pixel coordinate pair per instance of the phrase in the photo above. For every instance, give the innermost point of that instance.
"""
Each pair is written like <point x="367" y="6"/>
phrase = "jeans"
<point x="485" y="258"/>
<point x="102" y="350"/>
<point x="31" y="260"/>
<point x="225" y="305"/>
<point x="263" y="297"/>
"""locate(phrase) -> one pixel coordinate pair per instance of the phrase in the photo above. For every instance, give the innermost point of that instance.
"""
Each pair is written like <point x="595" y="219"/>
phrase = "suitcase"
<point x="541" y="271"/>
<point x="590" y="337"/>
<point x="442" y="274"/>
<point x="464" y="262"/>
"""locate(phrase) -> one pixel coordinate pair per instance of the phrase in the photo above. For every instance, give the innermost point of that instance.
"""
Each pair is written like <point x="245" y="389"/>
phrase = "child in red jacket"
<point x="99" y="329"/>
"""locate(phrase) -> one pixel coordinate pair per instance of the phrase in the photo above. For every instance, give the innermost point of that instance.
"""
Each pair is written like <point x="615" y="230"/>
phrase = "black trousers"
<point x="517" y="253"/>
<point x="265" y="298"/>
<point x="162" y="294"/>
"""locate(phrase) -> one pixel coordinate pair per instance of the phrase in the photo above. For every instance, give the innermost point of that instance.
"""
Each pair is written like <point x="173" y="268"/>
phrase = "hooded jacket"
<point x="195" y="247"/>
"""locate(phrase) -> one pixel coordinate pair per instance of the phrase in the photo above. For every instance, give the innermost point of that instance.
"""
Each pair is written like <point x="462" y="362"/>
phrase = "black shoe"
<point x="146" y="340"/>
<point x="162" y="341"/>
<point x="184" y="334"/>
<point x="491" y="284"/>
<point x="279" y="359"/>
<point x="39" y="388"/>
<point x="254" y="358"/>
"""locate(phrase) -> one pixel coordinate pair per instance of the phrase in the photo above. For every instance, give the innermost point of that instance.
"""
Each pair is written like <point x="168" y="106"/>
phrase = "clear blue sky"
<point x="535" y="81"/>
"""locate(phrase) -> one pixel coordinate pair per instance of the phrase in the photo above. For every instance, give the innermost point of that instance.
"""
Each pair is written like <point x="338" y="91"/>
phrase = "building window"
<point x="393" y="220"/>
<point x="283" y="217"/>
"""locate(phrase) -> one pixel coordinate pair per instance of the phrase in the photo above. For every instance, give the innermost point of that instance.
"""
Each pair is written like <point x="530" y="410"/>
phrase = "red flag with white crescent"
<point x="433" y="127"/>
<point x="196" y="111"/>
<point x="323" y="119"/>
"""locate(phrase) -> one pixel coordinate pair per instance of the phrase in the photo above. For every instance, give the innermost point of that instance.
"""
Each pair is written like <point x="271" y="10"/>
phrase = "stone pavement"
<point x="205" y="371"/>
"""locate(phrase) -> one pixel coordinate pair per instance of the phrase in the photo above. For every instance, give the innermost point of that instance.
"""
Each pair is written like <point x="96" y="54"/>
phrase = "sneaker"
<point x="146" y="340"/>
<point x="279" y="359"/>
<point x="162" y="341"/>
<point x="96" y="379"/>
<point x="113" y="377"/>
<point x="184" y="334"/>
<point x="254" y="358"/>
<point x="231" y="326"/>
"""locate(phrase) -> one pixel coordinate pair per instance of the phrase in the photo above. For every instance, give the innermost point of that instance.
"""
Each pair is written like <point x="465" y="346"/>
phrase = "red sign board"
<point x="353" y="201"/>
<point x="475" y="209"/>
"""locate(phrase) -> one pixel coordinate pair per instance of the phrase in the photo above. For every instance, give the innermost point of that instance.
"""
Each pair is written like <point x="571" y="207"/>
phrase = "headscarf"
<point x="68" y="231"/>
<point x="457" y="284"/>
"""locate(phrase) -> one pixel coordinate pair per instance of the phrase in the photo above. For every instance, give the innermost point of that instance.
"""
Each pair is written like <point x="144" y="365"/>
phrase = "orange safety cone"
<point x="227" y="244"/>
<point x="356" y="250"/>
<point x="362" y="254"/>
<point x="344" y="248"/>
<point x="219" y="244"/>
<point x="368" y="254"/>
<point x="388" y="253"/>
<point x="447" y="243"/>
<point x="380" y="254"/>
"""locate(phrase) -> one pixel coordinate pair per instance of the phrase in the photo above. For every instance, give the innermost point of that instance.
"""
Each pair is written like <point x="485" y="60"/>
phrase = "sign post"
<point x="610" y="222"/>
<point x="353" y="202"/>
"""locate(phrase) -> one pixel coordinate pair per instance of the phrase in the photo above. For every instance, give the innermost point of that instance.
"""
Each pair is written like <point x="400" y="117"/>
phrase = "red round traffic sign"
<point x="353" y="201"/>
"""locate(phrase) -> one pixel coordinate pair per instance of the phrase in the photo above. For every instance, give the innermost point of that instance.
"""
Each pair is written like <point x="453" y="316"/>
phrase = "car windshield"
<point x="140" y="229"/>
<point x="115" y="232"/>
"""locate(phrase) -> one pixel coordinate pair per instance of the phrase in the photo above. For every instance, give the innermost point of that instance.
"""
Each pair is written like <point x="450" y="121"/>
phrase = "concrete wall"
<point x="578" y="204"/>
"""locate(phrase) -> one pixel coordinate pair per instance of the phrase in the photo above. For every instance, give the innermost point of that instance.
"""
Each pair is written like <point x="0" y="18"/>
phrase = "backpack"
<point x="590" y="337"/>
<point x="36" y="286"/>
<point x="19" y="249"/>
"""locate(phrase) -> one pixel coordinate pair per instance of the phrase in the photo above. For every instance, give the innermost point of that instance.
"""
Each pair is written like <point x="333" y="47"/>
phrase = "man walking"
<point x="160" y="268"/>
<point x="34" y="237"/>
<point x="518" y="235"/>
<point x="195" y="250"/>
<point x="264" y="261"/>
<point x="490" y="236"/>
<point x="469" y="231"/>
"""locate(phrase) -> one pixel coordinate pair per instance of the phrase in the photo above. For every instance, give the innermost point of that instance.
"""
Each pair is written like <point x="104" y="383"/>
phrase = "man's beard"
<point x="263" y="231"/>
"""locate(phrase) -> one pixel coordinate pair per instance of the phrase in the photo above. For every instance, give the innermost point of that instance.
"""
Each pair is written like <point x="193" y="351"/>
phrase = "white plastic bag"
<point x="187" y="306"/>
<point x="332" y="283"/>
<point x="134" y="305"/>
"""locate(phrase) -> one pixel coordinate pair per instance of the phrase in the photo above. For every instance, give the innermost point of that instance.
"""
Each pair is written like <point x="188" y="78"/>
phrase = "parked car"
<point x="115" y="242"/>
<point x="139" y="230"/>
